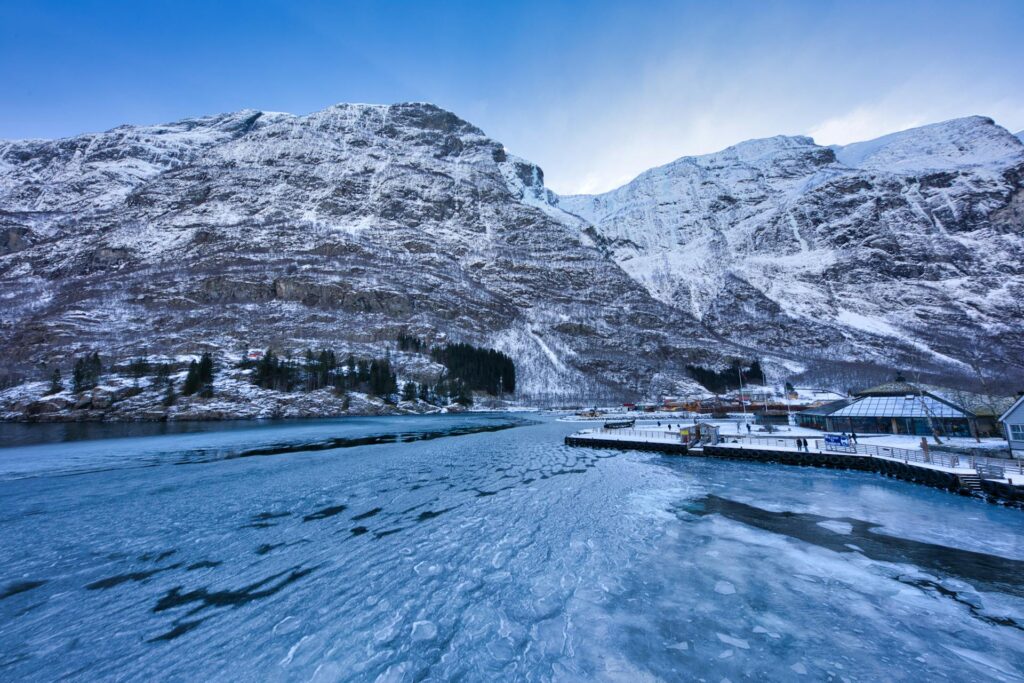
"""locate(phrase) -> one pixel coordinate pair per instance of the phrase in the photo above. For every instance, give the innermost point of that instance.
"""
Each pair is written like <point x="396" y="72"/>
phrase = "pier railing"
<point x="987" y="467"/>
<point x="639" y="434"/>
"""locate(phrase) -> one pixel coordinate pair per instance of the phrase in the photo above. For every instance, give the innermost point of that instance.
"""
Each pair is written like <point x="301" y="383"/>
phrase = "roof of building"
<point x="901" y="390"/>
<point x="897" y="388"/>
<point x="907" y="405"/>
<point x="1016" y="404"/>
<point x="827" y="408"/>
<point x="911" y="404"/>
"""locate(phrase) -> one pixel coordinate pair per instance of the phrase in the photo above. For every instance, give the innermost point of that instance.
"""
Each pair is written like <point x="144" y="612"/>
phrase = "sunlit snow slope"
<point x="908" y="245"/>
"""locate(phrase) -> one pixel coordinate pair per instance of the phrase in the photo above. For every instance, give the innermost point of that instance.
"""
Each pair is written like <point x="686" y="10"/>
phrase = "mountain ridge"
<point x="353" y="224"/>
<point x="279" y="230"/>
<point x="787" y="227"/>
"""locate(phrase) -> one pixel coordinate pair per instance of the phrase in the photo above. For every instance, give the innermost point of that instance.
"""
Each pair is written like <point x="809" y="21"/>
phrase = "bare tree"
<point x="916" y="360"/>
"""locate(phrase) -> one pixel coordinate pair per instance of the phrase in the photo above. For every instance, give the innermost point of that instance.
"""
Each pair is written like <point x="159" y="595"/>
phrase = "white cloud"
<point x="863" y="123"/>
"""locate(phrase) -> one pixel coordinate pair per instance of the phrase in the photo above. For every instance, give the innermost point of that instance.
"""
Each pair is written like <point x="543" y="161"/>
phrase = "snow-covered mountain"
<point x="905" y="249"/>
<point x="346" y="227"/>
<point x="338" y="229"/>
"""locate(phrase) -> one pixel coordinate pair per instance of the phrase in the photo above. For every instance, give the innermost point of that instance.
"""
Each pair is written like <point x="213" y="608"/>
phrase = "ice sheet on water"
<point x="487" y="556"/>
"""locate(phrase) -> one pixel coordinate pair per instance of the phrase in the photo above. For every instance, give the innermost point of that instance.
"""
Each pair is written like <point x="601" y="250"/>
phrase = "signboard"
<point x="835" y="441"/>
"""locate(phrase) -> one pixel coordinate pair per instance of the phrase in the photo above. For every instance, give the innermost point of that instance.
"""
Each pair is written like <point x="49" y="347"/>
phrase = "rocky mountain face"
<point x="904" y="251"/>
<point x="349" y="226"/>
<point x="339" y="229"/>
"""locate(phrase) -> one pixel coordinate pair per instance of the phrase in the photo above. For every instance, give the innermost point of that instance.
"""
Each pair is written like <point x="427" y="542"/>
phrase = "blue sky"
<point x="594" y="92"/>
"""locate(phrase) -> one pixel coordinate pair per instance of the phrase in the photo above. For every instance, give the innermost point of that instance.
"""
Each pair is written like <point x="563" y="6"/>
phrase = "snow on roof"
<point x="897" y="388"/>
<point x="827" y="409"/>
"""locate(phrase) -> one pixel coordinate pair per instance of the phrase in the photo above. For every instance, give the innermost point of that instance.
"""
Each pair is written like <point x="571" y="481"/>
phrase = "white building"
<point x="1013" y="426"/>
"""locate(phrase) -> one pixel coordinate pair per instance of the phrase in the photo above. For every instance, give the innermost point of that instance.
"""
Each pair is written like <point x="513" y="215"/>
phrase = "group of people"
<point x="801" y="445"/>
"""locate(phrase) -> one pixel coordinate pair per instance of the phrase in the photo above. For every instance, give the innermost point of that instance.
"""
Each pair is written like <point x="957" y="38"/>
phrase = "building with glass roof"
<point x="893" y="408"/>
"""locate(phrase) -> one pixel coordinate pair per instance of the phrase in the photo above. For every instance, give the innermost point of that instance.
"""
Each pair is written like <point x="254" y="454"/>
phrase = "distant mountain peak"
<point x="857" y="250"/>
<point x="968" y="141"/>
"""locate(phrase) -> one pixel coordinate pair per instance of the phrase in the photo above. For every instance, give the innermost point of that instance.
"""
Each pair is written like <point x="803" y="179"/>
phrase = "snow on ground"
<point x="914" y="442"/>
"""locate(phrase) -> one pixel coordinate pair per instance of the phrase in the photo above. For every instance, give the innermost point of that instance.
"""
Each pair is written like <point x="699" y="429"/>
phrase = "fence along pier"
<point x="998" y="479"/>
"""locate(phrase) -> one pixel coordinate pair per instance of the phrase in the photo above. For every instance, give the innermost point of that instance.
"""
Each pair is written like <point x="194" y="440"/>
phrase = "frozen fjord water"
<point x="490" y="555"/>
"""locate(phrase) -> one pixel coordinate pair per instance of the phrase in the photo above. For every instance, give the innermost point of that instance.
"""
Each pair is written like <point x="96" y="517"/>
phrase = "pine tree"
<point x="206" y="368"/>
<point x="162" y="375"/>
<point x="192" y="380"/>
<point x="78" y="377"/>
<point x="463" y="396"/>
<point x="409" y="391"/>
<point x="478" y="368"/>
<point x="87" y="372"/>
<point x="56" y="385"/>
<point x="382" y="380"/>
<point x="205" y="375"/>
<point x="170" y="397"/>
<point x="95" y="368"/>
<point x="139" y="367"/>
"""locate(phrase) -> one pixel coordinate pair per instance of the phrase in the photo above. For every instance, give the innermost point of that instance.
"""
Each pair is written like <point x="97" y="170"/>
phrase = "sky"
<point x="594" y="92"/>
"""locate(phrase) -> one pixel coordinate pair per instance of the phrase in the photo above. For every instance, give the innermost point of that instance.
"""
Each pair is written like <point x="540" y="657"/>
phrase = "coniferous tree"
<point x="463" y="395"/>
<point x="478" y="368"/>
<point x="56" y="385"/>
<point x="192" y="380"/>
<point x="86" y="374"/>
<point x="139" y="367"/>
<point x="408" y="342"/>
<point x="204" y="372"/>
<point x="95" y="367"/>
<point x="78" y="377"/>
<point x="724" y="380"/>
<point x="279" y="374"/>
<point x="162" y="375"/>
<point x="381" y="379"/>
<point x="206" y="368"/>
<point x="409" y="391"/>
<point x="170" y="397"/>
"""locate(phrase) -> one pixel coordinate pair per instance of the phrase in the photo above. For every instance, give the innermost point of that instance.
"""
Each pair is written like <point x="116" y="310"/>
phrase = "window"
<point x="1017" y="432"/>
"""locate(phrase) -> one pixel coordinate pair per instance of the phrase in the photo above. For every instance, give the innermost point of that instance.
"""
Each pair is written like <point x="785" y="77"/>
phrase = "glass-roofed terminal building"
<point x="893" y="408"/>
